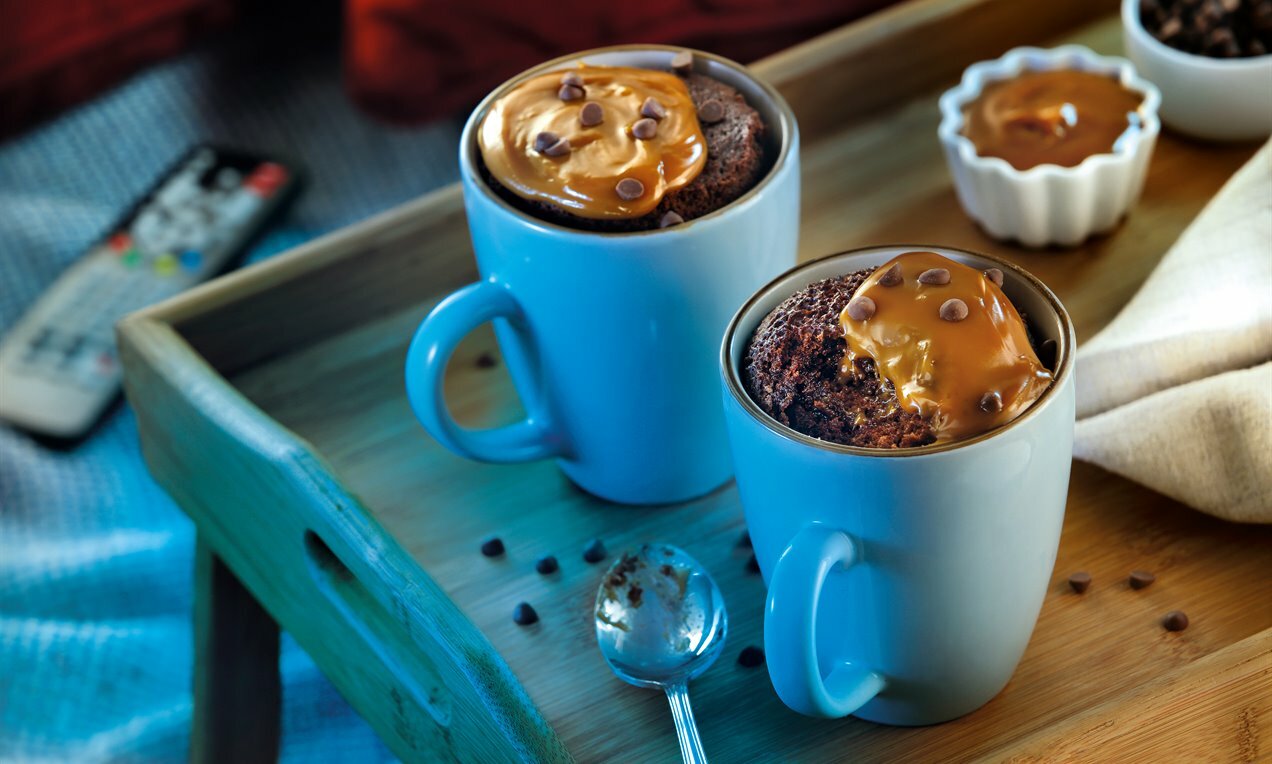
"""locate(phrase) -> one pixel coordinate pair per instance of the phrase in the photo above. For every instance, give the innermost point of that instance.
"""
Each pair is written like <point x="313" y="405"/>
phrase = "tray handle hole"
<point x="324" y="559"/>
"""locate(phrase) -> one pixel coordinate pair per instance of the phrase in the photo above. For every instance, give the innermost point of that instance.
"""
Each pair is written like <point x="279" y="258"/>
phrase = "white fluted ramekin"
<point x="1048" y="204"/>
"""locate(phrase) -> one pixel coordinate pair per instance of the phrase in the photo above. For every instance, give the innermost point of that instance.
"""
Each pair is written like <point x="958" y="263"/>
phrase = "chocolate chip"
<point x="670" y="218"/>
<point x="558" y="149"/>
<point x="682" y="63"/>
<point x="1170" y="29"/>
<point x="594" y="552"/>
<point x="644" y="129"/>
<point x="1048" y="351"/>
<point x="750" y="657"/>
<point x="953" y="309"/>
<point x="545" y="139"/>
<point x="745" y="541"/>
<point x="653" y="109"/>
<point x="1141" y="578"/>
<point x="524" y="615"/>
<point x="935" y="276"/>
<point x="629" y="189"/>
<point x="861" y="308"/>
<point x="486" y="361"/>
<point x="1080" y="581"/>
<point x="492" y="547"/>
<point x="1175" y="620"/>
<point x="991" y="402"/>
<point x="546" y="565"/>
<point x="591" y="114"/>
<point x="752" y="565"/>
<point x="573" y="79"/>
<point x="711" y="112"/>
<point x="892" y="276"/>
<point x="570" y="93"/>
<point x="995" y="275"/>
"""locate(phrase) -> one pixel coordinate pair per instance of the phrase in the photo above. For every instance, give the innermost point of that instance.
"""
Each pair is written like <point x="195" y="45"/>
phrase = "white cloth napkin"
<point x="1176" y="392"/>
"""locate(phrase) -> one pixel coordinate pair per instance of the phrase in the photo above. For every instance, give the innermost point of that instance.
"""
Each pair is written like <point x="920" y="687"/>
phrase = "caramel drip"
<point x="1057" y="117"/>
<point x="583" y="180"/>
<point x="943" y="369"/>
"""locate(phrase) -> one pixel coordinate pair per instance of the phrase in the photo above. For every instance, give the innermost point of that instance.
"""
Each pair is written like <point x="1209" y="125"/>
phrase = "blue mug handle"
<point x="790" y="628"/>
<point x="431" y="348"/>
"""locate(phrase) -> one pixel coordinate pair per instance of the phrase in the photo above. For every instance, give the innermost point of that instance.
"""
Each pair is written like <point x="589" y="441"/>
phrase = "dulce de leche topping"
<point x="601" y="142"/>
<point x="949" y="341"/>
<point x="1057" y="117"/>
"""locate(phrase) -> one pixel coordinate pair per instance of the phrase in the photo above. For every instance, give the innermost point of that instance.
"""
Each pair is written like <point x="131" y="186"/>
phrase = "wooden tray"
<point x="271" y="407"/>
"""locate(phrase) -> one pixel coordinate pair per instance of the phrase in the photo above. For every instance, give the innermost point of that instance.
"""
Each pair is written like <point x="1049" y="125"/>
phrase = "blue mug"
<point x="611" y="338"/>
<point x="903" y="585"/>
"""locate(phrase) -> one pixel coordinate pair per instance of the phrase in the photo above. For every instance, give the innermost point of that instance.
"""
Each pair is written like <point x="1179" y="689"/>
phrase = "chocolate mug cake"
<point x="918" y="350"/>
<point x="618" y="148"/>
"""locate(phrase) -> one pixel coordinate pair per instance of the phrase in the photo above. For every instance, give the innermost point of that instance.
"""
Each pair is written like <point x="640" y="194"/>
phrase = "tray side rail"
<point x="389" y="638"/>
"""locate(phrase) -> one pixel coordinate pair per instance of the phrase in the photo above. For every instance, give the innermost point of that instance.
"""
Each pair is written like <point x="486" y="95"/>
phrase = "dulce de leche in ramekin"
<point x="1048" y="147"/>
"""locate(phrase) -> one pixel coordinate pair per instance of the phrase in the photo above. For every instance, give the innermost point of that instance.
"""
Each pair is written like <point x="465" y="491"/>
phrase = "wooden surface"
<point x="238" y="691"/>
<point x="320" y="351"/>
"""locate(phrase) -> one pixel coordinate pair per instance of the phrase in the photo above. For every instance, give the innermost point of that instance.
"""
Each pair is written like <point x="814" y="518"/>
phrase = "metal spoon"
<point x="660" y="621"/>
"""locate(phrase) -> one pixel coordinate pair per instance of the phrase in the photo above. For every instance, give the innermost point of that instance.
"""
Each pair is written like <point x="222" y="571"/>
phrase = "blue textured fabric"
<point x="95" y="560"/>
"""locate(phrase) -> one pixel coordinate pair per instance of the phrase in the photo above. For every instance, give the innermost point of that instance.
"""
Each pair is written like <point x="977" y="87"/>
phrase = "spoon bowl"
<point x="661" y="621"/>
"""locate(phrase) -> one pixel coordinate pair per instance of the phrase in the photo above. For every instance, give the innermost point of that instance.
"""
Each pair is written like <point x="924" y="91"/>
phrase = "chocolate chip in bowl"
<point x="1049" y="147"/>
<point x="1210" y="58"/>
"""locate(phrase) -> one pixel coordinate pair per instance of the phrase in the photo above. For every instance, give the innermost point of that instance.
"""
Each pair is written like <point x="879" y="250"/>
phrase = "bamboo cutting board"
<point x="271" y="407"/>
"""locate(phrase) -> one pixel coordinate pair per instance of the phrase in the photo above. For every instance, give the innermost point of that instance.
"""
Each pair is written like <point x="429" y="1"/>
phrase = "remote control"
<point x="58" y="366"/>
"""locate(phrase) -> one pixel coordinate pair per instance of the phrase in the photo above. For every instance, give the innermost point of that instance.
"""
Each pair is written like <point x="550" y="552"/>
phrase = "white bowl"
<point x="1048" y="204"/>
<point x="1220" y="99"/>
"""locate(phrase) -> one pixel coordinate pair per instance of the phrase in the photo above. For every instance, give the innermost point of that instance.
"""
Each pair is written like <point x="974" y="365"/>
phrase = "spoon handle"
<point x="686" y="729"/>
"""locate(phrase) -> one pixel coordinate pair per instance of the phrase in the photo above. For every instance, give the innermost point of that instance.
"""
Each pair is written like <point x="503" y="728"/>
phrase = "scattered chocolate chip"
<point x="486" y="361"/>
<point x="711" y="112"/>
<point x="861" y="308"/>
<point x="573" y="79"/>
<point x="892" y="276"/>
<point x="750" y="657"/>
<point x="991" y="402"/>
<point x="995" y="275"/>
<point x="745" y="541"/>
<point x="591" y="114"/>
<point x="752" y="565"/>
<point x="570" y="93"/>
<point x="935" y="276"/>
<point x="558" y="149"/>
<point x="546" y="565"/>
<point x="1048" y="351"/>
<point x="1080" y="581"/>
<point x="644" y="129"/>
<point x="953" y="309"/>
<point x="594" y="552"/>
<point x="492" y="547"/>
<point x="634" y="594"/>
<point x="629" y="189"/>
<point x="545" y="139"/>
<point x="670" y="218"/>
<point x="1141" y="578"/>
<point x="1175" y="620"/>
<point x="524" y="615"/>
<point x="682" y="63"/>
<point x="653" y="109"/>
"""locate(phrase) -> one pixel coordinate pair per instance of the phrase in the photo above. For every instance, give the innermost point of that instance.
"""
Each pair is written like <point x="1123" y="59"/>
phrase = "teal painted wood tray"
<point x="271" y="407"/>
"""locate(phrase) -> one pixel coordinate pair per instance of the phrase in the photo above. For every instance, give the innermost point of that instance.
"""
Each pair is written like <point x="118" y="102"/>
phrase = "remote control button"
<point x="191" y="259"/>
<point x="228" y="178"/>
<point x="40" y="340"/>
<point x="266" y="179"/>
<point x="73" y="345"/>
<point x="120" y="242"/>
<point x="165" y="264"/>
<point x="131" y="258"/>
